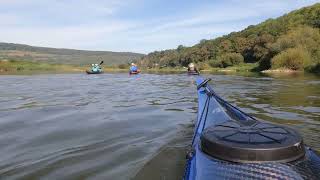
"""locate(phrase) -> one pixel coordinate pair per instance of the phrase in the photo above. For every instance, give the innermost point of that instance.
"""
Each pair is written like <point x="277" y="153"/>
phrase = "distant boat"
<point x="95" y="69"/>
<point x="193" y="73"/>
<point x="134" y="72"/>
<point x="94" y="72"/>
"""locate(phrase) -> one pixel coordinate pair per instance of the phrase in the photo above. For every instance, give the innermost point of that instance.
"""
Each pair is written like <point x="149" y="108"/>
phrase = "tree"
<point x="180" y="48"/>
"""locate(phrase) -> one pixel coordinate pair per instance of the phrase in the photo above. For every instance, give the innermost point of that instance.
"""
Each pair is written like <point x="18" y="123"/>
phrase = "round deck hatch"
<point x="261" y="142"/>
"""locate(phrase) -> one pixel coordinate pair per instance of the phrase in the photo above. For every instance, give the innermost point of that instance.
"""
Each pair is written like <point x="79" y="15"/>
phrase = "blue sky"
<point x="131" y="25"/>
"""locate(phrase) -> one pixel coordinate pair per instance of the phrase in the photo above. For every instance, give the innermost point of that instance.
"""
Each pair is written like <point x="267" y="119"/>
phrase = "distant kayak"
<point x="134" y="72"/>
<point x="94" y="72"/>
<point x="95" y="69"/>
<point x="193" y="73"/>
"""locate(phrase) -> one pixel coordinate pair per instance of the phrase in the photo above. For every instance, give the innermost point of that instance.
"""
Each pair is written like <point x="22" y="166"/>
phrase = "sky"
<point x="131" y="25"/>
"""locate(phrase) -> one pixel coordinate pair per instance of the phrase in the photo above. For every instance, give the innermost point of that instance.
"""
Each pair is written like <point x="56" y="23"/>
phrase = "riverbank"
<point x="282" y="70"/>
<point x="13" y="67"/>
<point x="241" y="68"/>
<point x="17" y="67"/>
<point x="27" y="67"/>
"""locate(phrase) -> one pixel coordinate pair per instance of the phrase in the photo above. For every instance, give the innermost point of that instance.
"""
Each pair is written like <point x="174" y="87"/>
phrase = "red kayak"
<point x="193" y="73"/>
<point x="134" y="72"/>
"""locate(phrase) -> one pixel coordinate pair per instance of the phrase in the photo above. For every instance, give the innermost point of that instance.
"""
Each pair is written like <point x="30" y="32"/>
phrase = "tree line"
<point x="291" y="41"/>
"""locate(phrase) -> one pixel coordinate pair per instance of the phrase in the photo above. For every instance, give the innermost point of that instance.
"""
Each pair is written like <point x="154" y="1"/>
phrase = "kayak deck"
<point x="204" y="167"/>
<point x="212" y="111"/>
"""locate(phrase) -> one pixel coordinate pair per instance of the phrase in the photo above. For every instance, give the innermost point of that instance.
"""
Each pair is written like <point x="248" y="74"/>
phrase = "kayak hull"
<point x="91" y="72"/>
<point x="133" y="73"/>
<point x="201" y="166"/>
<point x="193" y="73"/>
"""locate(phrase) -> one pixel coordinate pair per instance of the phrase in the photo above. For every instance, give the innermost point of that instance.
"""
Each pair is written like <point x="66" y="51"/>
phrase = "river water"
<point x="116" y="126"/>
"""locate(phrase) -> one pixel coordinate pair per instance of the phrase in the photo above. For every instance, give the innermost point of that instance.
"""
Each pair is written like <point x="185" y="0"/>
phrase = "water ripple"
<point x="108" y="126"/>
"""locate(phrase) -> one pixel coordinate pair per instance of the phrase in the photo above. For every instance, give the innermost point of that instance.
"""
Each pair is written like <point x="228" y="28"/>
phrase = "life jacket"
<point x="133" y="68"/>
<point x="96" y="69"/>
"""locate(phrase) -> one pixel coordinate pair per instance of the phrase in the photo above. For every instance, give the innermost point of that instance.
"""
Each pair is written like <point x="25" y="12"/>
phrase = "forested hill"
<point x="290" y="41"/>
<point x="10" y="51"/>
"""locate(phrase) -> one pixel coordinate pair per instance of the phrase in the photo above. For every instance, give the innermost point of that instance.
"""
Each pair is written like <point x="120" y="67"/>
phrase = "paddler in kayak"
<point x="95" y="68"/>
<point x="134" y="69"/>
<point x="192" y="69"/>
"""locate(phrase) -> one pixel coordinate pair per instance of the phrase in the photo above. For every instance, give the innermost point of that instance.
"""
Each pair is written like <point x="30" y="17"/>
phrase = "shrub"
<point x="215" y="63"/>
<point x="202" y="66"/>
<point x="123" y="66"/>
<point x="264" y="64"/>
<point x="304" y="36"/>
<point x="314" y="69"/>
<point x="231" y="59"/>
<point x="292" y="58"/>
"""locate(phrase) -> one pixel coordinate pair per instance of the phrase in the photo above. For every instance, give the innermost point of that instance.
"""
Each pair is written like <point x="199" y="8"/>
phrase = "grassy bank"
<point x="16" y="67"/>
<point x="205" y="69"/>
<point x="27" y="67"/>
<point x="244" y="68"/>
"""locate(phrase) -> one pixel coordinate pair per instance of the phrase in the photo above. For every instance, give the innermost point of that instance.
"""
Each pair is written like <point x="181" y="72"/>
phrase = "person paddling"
<point x="96" y="67"/>
<point x="192" y="68"/>
<point x="134" y="69"/>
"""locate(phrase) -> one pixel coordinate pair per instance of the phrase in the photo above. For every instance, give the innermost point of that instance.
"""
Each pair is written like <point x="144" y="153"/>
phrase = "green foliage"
<point x="123" y="66"/>
<point x="226" y="60"/>
<point x="292" y="58"/>
<point x="180" y="48"/>
<point x="305" y="36"/>
<point x="302" y="38"/>
<point x="215" y="63"/>
<point x="202" y="66"/>
<point x="255" y="44"/>
<point x="315" y="68"/>
<point x="231" y="59"/>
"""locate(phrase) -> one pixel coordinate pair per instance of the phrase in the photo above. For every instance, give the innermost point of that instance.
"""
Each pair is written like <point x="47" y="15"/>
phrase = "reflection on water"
<point x="115" y="126"/>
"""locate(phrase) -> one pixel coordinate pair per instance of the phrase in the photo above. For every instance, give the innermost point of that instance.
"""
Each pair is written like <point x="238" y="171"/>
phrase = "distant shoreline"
<point x="8" y="67"/>
<point x="286" y="71"/>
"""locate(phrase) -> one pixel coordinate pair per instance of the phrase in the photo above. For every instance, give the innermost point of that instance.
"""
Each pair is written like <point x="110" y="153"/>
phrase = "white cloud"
<point x="70" y="36"/>
<point x="106" y="25"/>
<point x="209" y="21"/>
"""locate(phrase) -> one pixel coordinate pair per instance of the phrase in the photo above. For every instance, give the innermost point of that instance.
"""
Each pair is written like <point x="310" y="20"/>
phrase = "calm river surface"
<point x="115" y="126"/>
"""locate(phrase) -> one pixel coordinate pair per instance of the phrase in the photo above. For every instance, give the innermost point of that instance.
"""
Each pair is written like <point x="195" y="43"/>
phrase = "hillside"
<point x="291" y="41"/>
<point x="10" y="51"/>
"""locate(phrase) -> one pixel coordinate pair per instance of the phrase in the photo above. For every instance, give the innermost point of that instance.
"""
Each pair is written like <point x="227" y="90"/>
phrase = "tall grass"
<point x="11" y="66"/>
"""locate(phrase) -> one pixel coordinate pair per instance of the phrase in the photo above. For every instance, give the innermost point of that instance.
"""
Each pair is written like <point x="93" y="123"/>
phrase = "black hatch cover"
<point x="261" y="142"/>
